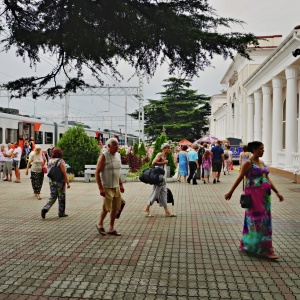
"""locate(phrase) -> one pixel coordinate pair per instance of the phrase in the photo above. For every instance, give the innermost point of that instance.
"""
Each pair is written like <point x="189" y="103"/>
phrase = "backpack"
<point x="170" y="198"/>
<point x="152" y="176"/>
<point x="201" y="151"/>
<point x="55" y="173"/>
<point x="226" y="155"/>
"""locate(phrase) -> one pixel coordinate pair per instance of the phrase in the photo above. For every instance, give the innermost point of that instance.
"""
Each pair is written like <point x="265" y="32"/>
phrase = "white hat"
<point x="164" y="145"/>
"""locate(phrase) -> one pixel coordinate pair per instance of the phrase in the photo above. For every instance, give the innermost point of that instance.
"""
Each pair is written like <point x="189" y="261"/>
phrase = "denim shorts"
<point x="16" y="164"/>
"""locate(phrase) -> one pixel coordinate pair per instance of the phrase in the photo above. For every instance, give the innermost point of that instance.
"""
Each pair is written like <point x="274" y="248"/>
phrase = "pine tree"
<point x="98" y="34"/>
<point x="142" y="150"/>
<point x="180" y="111"/>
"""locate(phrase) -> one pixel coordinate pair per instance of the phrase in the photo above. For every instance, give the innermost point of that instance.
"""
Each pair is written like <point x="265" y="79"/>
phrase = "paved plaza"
<point x="193" y="256"/>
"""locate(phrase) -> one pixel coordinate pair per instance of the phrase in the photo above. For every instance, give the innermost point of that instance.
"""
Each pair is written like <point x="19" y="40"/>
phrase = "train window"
<point x="11" y="135"/>
<point x="48" y="137"/>
<point x="38" y="137"/>
<point x="1" y="135"/>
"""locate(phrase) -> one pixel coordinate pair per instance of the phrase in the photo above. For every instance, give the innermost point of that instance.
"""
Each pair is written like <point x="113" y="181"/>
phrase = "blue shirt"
<point x="193" y="155"/>
<point x="217" y="152"/>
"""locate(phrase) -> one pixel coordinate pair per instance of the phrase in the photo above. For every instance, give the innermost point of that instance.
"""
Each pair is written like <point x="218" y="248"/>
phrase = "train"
<point x="15" y="127"/>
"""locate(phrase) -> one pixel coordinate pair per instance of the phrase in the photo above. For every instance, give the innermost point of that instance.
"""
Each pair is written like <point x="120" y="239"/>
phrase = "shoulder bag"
<point x="246" y="200"/>
<point x="55" y="173"/>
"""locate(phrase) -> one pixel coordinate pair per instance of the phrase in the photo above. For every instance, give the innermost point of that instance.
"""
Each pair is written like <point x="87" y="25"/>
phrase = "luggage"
<point x="152" y="176"/>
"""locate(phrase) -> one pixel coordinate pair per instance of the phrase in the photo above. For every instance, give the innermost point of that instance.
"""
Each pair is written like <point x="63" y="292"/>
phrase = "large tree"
<point x="97" y="34"/>
<point x="181" y="112"/>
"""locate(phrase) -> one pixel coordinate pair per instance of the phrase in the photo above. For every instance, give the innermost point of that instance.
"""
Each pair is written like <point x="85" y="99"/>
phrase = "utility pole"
<point x="125" y="120"/>
<point x="141" y="109"/>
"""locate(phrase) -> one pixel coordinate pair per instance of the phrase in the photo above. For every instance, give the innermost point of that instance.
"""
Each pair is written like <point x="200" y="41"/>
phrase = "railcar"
<point x="15" y="127"/>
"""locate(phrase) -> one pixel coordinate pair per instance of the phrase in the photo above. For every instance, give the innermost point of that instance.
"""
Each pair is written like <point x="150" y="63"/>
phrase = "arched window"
<point x="284" y="123"/>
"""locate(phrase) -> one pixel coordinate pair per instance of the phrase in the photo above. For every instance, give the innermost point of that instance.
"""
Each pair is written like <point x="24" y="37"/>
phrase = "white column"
<point x="267" y="123"/>
<point x="291" y="74"/>
<point x="229" y="120"/>
<point x="250" y="125"/>
<point x="257" y="115"/>
<point x="241" y="118"/>
<point x="277" y="125"/>
<point x="236" y="118"/>
<point x="299" y="116"/>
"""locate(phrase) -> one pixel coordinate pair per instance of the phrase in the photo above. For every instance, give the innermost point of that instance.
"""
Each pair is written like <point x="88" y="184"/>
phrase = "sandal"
<point x="171" y="215"/>
<point x="115" y="233"/>
<point x="101" y="230"/>
<point x="271" y="256"/>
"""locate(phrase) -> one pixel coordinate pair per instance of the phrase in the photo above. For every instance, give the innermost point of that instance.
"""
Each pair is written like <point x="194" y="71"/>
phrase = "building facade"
<point x="262" y="100"/>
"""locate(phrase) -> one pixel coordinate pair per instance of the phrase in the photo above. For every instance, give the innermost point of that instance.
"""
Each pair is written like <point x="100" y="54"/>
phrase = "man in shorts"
<point x="217" y="161"/>
<point x="110" y="185"/>
<point x="17" y="153"/>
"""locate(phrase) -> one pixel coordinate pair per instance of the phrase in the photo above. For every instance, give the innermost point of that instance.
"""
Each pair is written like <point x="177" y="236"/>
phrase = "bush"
<point x="142" y="150"/>
<point x="135" y="148"/>
<point x="78" y="148"/>
<point x="135" y="162"/>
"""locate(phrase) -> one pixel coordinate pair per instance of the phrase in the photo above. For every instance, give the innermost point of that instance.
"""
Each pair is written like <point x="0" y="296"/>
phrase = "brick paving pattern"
<point x="193" y="256"/>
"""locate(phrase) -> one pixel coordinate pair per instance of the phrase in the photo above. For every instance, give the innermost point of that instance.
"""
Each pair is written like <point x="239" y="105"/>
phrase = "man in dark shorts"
<point x="217" y="161"/>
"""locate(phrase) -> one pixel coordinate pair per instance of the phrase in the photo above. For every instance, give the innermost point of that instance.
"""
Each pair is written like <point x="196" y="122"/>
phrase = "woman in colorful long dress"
<point x="257" y="230"/>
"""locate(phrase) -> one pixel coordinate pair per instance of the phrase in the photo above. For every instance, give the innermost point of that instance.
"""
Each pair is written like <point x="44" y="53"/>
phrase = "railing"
<point x="281" y="159"/>
<point x="296" y="161"/>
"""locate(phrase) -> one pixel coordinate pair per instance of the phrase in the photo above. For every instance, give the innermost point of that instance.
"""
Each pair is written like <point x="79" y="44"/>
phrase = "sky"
<point x="261" y="18"/>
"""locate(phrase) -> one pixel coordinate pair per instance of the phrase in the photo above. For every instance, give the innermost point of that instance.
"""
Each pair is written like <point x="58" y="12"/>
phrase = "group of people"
<point x="257" y="229"/>
<point x="10" y="158"/>
<point x="111" y="186"/>
<point x="198" y="162"/>
<point x="39" y="164"/>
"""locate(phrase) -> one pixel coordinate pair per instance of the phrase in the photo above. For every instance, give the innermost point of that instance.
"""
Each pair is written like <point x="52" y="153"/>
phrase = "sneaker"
<point x="62" y="215"/>
<point x="218" y="181"/>
<point x="204" y="181"/>
<point x="43" y="213"/>
<point x="195" y="183"/>
<point x="214" y="180"/>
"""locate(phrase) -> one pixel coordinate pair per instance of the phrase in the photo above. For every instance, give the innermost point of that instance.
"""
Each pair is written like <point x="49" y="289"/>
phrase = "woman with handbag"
<point x="57" y="183"/>
<point x="37" y="163"/>
<point x="257" y="229"/>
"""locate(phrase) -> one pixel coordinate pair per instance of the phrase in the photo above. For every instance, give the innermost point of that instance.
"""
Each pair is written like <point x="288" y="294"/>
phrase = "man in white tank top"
<point x="110" y="185"/>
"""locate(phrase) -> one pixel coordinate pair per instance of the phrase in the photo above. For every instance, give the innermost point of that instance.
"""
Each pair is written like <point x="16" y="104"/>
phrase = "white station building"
<point x="262" y="101"/>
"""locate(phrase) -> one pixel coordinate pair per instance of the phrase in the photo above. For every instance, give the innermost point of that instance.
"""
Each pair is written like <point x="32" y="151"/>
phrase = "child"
<point x="206" y="164"/>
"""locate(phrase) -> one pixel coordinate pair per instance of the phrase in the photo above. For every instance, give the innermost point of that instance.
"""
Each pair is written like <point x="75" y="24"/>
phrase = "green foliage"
<point x="135" y="149"/>
<point x="122" y="151"/>
<point x="97" y="35"/>
<point x="142" y="150"/>
<point x="78" y="148"/>
<point x="181" y="112"/>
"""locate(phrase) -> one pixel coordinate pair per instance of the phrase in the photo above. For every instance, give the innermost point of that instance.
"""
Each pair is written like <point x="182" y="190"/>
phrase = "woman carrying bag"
<point x="57" y="186"/>
<point x="257" y="229"/>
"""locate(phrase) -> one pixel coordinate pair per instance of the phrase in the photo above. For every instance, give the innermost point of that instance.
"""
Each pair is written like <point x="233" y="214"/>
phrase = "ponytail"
<point x="253" y="146"/>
